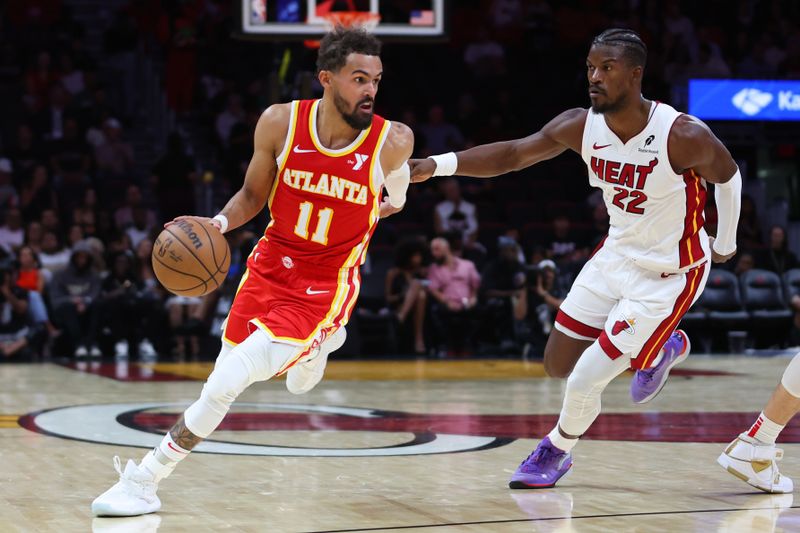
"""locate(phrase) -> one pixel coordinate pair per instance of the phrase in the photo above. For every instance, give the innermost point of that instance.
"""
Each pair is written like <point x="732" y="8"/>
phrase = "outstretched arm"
<point x="248" y="201"/>
<point x="489" y="160"/>
<point x="693" y="146"/>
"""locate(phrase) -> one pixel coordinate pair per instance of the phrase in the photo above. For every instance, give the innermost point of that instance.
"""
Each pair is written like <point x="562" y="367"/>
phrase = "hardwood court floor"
<point x="354" y="454"/>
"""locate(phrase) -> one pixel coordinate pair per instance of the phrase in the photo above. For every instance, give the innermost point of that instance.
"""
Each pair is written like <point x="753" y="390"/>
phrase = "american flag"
<point x="422" y="17"/>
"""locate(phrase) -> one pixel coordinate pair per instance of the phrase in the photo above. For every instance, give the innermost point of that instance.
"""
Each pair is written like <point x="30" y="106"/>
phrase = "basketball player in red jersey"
<point x="320" y="166"/>
<point x="652" y="164"/>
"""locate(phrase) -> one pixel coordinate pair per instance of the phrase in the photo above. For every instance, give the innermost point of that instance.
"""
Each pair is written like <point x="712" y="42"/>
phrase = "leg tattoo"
<point x="182" y="436"/>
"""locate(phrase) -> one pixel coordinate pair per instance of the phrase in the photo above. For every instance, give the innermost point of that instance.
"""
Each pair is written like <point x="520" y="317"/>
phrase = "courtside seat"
<point x="375" y="324"/>
<point x="791" y="285"/>
<point x="763" y="297"/>
<point x="722" y="301"/>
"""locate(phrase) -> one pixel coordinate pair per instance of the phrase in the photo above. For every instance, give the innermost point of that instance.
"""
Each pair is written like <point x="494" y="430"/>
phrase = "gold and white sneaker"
<point x="755" y="463"/>
<point x="134" y="494"/>
<point x="305" y="375"/>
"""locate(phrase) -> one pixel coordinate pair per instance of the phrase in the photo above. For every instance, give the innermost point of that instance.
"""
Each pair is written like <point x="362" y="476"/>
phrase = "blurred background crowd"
<point x="119" y="115"/>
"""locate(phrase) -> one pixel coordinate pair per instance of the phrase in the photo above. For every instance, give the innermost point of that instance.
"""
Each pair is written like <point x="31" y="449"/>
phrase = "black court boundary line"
<point x="522" y="520"/>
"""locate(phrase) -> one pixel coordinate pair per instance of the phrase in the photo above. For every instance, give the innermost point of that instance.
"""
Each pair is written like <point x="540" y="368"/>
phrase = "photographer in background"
<point x="538" y="305"/>
<point x="502" y="284"/>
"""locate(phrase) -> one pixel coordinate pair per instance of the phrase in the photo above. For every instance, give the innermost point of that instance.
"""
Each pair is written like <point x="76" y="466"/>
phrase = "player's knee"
<point x="227" y="381"/>
<point x="553" y="367"/>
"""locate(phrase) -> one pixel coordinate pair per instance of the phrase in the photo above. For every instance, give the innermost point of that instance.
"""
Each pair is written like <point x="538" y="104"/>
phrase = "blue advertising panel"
<point x="745" y="99"/>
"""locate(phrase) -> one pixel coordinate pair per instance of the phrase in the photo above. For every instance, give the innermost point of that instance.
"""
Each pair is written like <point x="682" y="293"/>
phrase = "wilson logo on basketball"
<point x="190" y="233"/>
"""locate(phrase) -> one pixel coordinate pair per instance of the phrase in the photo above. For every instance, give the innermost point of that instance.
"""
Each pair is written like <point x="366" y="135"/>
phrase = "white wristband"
<point x="446" y="164"/>
<point x="223" y="222"/>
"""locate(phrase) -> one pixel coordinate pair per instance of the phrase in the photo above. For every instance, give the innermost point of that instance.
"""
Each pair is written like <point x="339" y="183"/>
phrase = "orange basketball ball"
<point x="191" y="257"/>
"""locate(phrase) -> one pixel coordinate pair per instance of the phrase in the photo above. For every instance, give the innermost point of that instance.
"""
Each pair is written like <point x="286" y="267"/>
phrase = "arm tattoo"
<point x="182" y="436"/>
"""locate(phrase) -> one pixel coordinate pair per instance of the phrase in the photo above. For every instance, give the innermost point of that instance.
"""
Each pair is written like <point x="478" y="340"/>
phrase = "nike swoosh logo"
<point x="600" y="147"/>
<point x="171" y="447"/>
<point x="312" y="293"/>
<point x="665" y="275"/>
<point x="299" y="150"/>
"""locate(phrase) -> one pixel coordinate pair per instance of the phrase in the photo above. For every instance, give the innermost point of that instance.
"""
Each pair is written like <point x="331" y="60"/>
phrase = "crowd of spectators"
<point x="478" y="262"/>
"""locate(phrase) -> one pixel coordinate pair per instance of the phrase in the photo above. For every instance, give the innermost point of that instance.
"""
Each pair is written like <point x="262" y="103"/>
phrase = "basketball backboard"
<point x="309" y="19"/>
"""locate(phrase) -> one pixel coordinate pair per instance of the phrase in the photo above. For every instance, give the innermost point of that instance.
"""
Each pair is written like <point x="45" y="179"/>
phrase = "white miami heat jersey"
<point x="656" y="215"/>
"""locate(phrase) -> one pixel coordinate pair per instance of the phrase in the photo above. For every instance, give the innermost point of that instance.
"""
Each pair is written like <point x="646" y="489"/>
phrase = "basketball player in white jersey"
<point x="332" y="156"/>
<point x="652" y="164"/>
<point x="752" y="455"/>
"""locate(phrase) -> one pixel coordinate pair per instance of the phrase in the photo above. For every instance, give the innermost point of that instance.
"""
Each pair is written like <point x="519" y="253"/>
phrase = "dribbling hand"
<point x="214" y="222"/>
<point x="421" y="169"/>
<point x="717" y="258"/>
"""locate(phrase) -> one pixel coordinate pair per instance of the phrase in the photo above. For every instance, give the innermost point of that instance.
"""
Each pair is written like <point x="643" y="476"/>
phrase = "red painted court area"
<point x="645" y="427"/>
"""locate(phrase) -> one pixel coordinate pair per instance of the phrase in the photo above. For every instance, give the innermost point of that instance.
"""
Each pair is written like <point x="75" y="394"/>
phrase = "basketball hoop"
<point x="347" y="19"/>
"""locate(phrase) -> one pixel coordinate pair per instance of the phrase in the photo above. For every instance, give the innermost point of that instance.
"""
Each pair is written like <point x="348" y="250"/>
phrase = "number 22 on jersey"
<point x="324" y="217"/>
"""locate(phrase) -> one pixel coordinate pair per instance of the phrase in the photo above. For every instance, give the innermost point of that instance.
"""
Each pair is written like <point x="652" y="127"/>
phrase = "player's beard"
<point x="609" y="106"/>
<point x="355" y="119"/>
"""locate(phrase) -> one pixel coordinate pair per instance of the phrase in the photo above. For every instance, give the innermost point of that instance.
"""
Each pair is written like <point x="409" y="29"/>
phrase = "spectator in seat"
<point x="502" y="284"/>
<point x="37" y="194"/>
<point x="454" y="214"/>
<point x="405" y="289"/>
<point x="777" y="257"/>
<point x="564" y="245"/>
<point x="744" y="263"/>
<point x="748" y="234"/>
<point x="141" y="228"/>
<point x="15" y="326"/>
<point x="120" y="299"/>
<point x="8" y="194"/>
<point x="11" y="233"/>
<point x="113" y="156"/>
<point x="233" y="114"/>
<point x="440" y="135"/>
<point x="32" y="278"/>
<point x="73" y="294"/>
<point x="123" y="216"/>
<point x="54" y="257"/>
<point x="34" y="234"/>
<point x="453" y="285"/>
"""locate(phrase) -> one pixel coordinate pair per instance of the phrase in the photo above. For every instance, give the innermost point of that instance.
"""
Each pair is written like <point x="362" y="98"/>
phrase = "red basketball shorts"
<point x="293" y="302"/>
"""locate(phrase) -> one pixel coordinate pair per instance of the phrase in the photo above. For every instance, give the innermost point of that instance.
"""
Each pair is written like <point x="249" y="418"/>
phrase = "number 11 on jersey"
<point x="324" y="217"/>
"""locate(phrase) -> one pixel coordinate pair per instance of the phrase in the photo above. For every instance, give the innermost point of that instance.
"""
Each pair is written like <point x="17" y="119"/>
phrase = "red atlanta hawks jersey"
<point x="325" y="203"/>
<point x="656" y="215"/>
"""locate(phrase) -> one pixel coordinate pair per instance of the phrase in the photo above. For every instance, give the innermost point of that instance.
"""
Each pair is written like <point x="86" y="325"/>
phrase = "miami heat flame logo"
<point x="625" y="325"/>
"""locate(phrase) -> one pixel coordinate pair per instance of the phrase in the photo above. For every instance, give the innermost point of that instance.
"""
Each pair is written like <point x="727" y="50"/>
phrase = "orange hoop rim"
<point x="347" y="19"/>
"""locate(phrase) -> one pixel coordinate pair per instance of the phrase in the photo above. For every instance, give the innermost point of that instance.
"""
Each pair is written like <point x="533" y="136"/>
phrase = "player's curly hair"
<point x="341" y="42"/>
<point x="634" y="49"/>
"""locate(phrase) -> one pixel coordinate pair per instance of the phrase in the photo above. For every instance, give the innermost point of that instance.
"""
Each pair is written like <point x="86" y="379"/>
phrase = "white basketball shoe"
<point x="755" y="463"/>
<point x="134" y="494"/>
<point x="304" y="376"/>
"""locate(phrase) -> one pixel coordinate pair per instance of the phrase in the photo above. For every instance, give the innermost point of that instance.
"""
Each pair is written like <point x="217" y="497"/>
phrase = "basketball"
<point x="191" y="257"/>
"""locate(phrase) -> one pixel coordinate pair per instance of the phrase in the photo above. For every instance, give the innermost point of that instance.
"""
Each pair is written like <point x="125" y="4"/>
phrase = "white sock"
<point x="561" y="442"/>
<point x="765" y="430"/>
<point x="170" y="449"/>
<point x="156" y="468"/>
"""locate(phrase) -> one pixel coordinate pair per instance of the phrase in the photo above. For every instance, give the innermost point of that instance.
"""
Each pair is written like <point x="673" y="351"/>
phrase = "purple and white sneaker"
<point x="648" y="383"/>
<point x="543" y="468"/>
